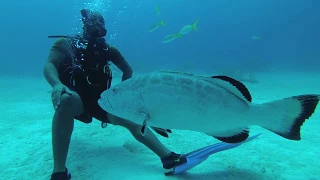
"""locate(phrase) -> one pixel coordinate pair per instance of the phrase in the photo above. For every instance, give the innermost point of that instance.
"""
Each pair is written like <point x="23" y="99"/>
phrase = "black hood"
<point x="93" y="23"/>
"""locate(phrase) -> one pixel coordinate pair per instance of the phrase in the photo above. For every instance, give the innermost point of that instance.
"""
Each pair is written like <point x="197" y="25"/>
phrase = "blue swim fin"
<point x="198" y="156"/>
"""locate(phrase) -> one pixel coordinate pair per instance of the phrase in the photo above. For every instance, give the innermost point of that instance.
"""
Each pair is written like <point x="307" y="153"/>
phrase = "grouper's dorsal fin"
<point x="176" y="72"/>
<point x="233" y="86"/>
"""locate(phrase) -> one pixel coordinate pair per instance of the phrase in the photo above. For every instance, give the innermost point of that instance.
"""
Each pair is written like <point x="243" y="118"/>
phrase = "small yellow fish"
<point x="157" y="12"/>
<point x="255" y="37"/>
<point x="186" y="29"/>
<point x="156" y="26"/>
<point x="171" y="37"/>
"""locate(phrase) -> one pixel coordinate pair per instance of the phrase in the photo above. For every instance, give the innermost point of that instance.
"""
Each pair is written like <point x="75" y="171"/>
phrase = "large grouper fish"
<point x="219" y="106"/>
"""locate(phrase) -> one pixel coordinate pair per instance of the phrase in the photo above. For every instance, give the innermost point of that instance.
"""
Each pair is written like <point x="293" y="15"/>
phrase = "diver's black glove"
<point x="162" y="132"/>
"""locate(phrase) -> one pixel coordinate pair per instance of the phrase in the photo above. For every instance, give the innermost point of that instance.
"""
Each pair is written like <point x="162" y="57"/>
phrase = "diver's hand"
<point x="57" y="91"/>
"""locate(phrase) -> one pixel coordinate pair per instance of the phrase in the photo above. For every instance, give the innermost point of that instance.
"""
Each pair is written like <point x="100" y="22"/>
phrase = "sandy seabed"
<point x="112" y="153"/>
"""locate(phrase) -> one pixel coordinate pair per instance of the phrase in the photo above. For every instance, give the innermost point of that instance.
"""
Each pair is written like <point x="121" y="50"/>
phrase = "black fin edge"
<point x="241" y="87"/>
<point x="236" y="138"/>
<point x="308" y="105"/>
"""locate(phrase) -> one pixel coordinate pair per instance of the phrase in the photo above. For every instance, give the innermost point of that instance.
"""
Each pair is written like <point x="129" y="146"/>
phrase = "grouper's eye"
<point x="115" y="90"/>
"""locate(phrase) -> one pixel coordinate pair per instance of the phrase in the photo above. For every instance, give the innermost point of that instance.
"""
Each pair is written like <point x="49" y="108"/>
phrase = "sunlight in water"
<point x="124" y="12"/>
<point x="101" y="6"/>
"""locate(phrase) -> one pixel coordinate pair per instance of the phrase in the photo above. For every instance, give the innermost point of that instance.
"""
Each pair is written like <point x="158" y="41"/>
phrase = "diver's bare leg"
<point x="62" y="127"/>
<point x="149" y="140"/>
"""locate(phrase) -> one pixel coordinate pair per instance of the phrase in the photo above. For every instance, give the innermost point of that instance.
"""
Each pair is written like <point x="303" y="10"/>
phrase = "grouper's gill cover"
<point x="123" y="101"/>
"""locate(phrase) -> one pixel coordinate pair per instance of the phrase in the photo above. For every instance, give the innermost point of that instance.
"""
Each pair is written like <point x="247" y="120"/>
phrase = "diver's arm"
<point x="50" y="71"/>
<point x="55" y="59"/>
<point x="118" y="60"/>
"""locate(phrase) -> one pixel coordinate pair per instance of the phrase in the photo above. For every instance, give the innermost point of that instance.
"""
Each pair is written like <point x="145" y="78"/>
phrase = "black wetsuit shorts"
<point x="89" y="95"/>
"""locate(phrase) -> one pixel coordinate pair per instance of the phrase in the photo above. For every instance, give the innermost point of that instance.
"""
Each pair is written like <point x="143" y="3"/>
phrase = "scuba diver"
<point x="78" y="70"/>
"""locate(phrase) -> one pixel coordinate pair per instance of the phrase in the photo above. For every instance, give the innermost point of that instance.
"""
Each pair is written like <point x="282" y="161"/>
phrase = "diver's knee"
<point x="66" y="99"/>
<point x="71" y="103"/>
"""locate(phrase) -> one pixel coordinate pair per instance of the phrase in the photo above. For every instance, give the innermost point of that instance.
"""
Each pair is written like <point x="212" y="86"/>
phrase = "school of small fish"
<point x="183" y="31"/>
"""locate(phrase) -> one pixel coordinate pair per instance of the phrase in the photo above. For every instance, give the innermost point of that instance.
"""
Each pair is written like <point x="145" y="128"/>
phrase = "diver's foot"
<point x="61" y="175"/>
<point x="171" y="161"/>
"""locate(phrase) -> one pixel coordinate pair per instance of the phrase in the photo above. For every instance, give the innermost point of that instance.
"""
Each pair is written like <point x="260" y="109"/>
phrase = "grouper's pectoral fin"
<point x="144" y="127"/>
<point x="161" y="131"/>
<point x="233" y="136"/>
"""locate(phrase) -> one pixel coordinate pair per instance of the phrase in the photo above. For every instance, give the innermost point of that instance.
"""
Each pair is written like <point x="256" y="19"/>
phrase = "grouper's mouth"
<point x="105" y="104"/>
<point x="110" y="105"/>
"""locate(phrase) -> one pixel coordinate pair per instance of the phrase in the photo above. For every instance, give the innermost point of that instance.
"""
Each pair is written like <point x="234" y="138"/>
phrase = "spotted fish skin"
<point x="219" y="106"/>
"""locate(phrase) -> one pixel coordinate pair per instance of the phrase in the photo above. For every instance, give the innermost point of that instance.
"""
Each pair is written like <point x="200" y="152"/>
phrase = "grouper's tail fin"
<point x="286" y="116"/>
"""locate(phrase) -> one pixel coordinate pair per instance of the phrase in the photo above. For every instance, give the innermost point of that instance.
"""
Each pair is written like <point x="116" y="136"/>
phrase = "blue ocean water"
<point x="289" y="32"/>
<point x="289" y="41"/>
